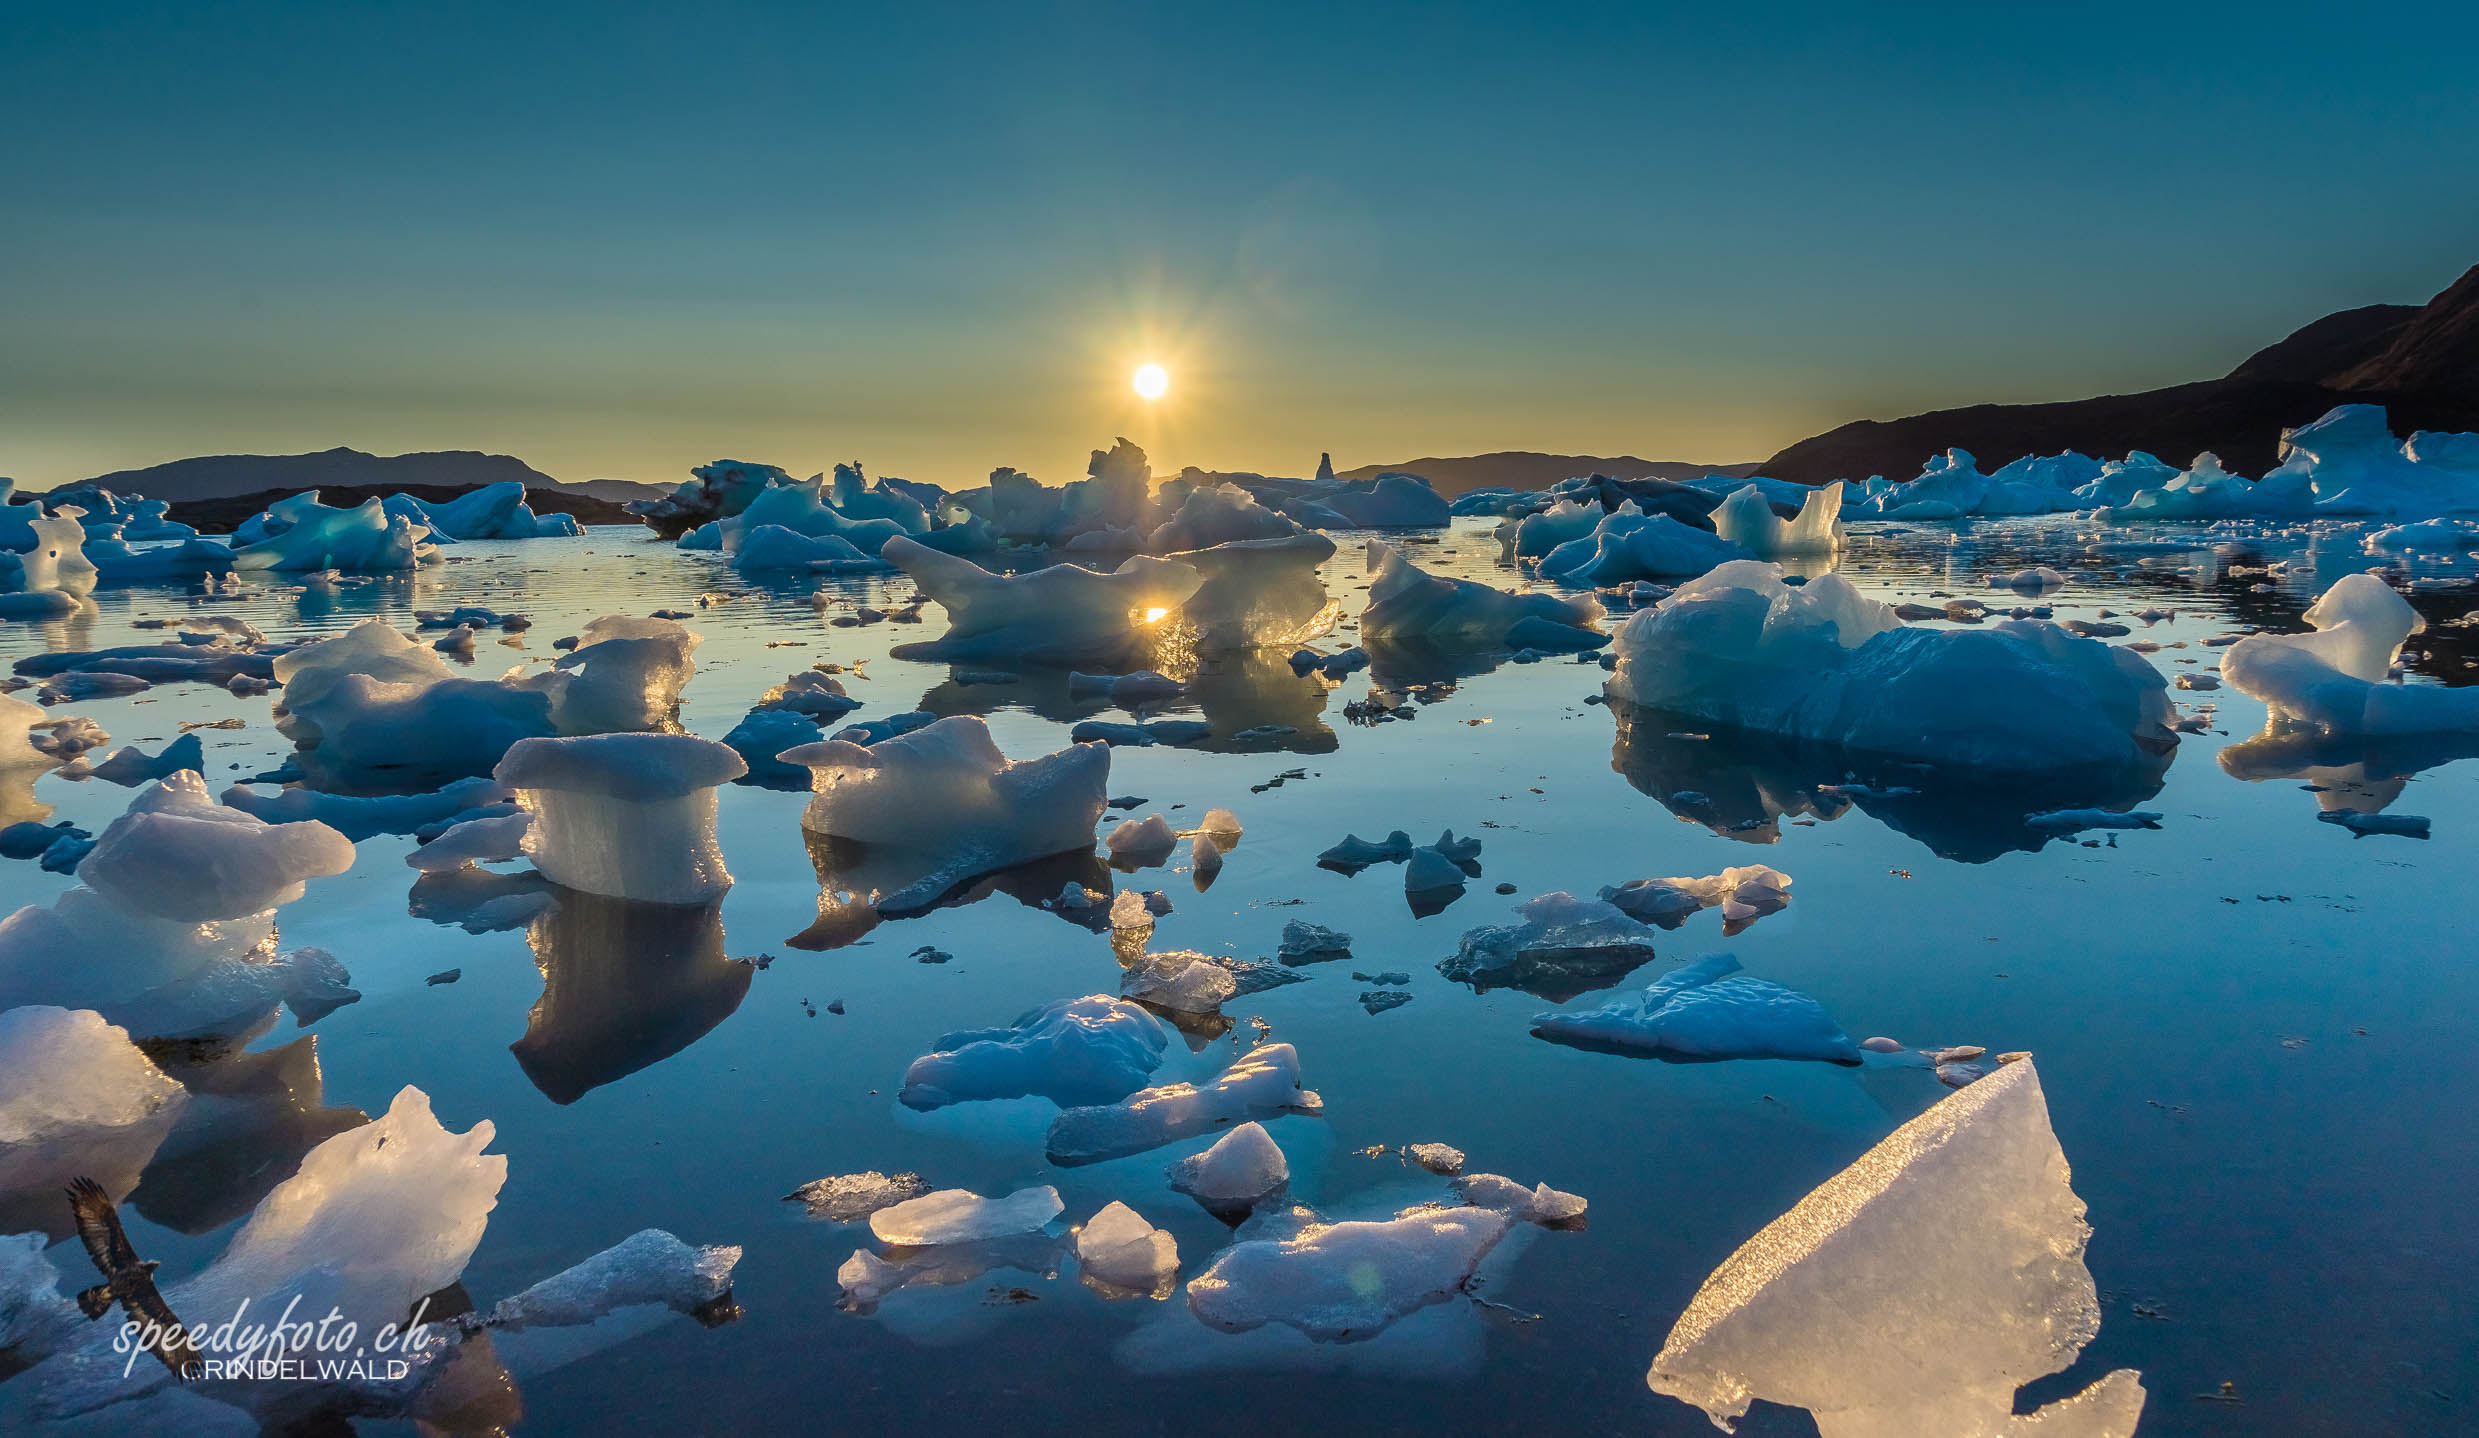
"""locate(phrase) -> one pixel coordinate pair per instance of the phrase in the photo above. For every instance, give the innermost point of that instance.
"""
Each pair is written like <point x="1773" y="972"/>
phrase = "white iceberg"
<point x="626" y="815"/>
<point x="2337" y="678"/>
<point x="647" y="1267"/>
<point x="76" y="1098"/>
<point x="1408" y="604"/>
<point x="1915" y="1291"/>
<point x="299" y="533"/>
<point x="946" y="793"/>
<point x="1822" y="662"/>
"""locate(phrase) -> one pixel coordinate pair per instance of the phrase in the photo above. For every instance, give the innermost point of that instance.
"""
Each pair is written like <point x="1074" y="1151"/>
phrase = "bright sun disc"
<point x="1151" y="380"/>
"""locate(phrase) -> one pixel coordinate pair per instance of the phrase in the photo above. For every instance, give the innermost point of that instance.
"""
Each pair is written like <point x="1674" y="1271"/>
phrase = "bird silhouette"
<point x="127" y="1279"/>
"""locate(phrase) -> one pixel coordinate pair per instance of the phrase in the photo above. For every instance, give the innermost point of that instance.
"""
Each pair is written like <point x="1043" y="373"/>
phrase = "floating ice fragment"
<point x="1539" y="1204"/>
<point x="1342" y="1282"/>
<point x="630" y="816"/>
<point x="76" y="1097"/>
<point x="1821" y="662"/>
<point x="2362" y="823"/>
<point x="1091" y="1050"/>
<point x="1563" y="946"/>
<point x="1407" y="604"/>
<point x="2075" y="821"/>
<point x="1915" y="1291"/>
<point x="1435" y="1157"/>
<point x="2335" y="678"/>
<point x="1120" y="1249"/>
<point x="1259" y="1084"/>
<point x="1355" y="853"/>
<point x="1180" y="981"/>
<point x="1745" y="893"/>
<point x="1306" y="943"/>
<point x="956" y="1215"/>
<point x="1141" y="844"/>
<point x="1059" y="615"/>
<point x="851" y="1197"/>
<point x="946" y="793"/>
<point x="648" y="1267"/>
<point x="1746" y="518"/>
<point x="1707" y="1010"/>
<point x="1242" y="1170"/>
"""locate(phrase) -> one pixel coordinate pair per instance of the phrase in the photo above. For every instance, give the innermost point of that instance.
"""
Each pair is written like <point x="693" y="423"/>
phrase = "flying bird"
<point x="127" y="1278"/>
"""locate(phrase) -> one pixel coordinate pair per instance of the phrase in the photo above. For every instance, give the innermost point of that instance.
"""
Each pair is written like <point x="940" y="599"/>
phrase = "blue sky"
<point x="618" y="241"/>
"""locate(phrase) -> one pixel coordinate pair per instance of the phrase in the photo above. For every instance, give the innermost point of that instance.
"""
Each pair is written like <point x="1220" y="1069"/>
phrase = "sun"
<point x="1152" y="380"/>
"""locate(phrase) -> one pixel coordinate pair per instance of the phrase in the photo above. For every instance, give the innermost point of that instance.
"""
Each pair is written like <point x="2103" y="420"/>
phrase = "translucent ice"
<point x="1091" y="1050"/>
<point x="1629" y="544"/>
<point x="2336" y="678"/>
<point x="1707" y="1010"/>
<point x="626" y="815"/>
<point x="76" y="1097"/>
<point x="1562" y="946"/>
<point x="301" y="533"/>
<point x="1181" y="981"/>
<point x="847" y="1198"/>
<point x="956" y="1215"/>
<point x="1340" y="1282"/>
<point x="1745" y="893"/>
<point x="1746" y="519"/>
<point x="648" y="1267"/>
<point x="1915" y="1291"/>
<point x="1138" y="844"/>
<point x="1259" y="1084"/>
<point x="946" y="793"/>
<point x="1120" y="1249"/>
<point x="1242" y="1169"/>
<point x="1407" y="604"/>
<point x="1059" y="615"/>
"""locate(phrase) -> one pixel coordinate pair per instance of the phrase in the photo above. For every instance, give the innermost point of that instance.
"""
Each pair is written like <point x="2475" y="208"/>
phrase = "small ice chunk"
<point x="957" y="1215"/>
<point x="1242" y="1170"/>
<point x="1745" y="893"/>
<point x="2075" y="821"/>
<point x="1435" y="1157"/>
<point x="1915" y="1291"/>
<point x="1707" y="1010"/>
<point x="1562" y="947"/>
<point x="76" y="1097"/>
<point x="1204" y="861"/>
<point x="1142" y="843"/>
<point x="1261" y="1083"/>
<point x="649" y="1266"/>
<point x="810" y="692"/>
<point x="475" y="841"/>
<point x="1180" y="980"/>
<point x="1428" y="870"/>
<point x="851" y="1197"/>
<point x="1090" y="1050"/>
<point x="1119" y="1248"/>
<point x="1306" y="943"/>
<point x="1345" y="1281"/>
<point x="2362" y="823"/>
<point x="1355" y="853"/>
<point x="1539" y="1204"/>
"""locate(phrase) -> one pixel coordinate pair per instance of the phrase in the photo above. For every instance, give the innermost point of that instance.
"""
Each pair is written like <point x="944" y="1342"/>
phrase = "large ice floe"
<point x="1915" y="1291"/>
<point x="374" y="698"/>
<point x="944" y="797"/>
<point x="1260" y="1084"/>
<point x="1092" y="1050"/>
<point x="630" y="816"/>
<point x="1706" y="1010"/>
<point x="2338" y="678"/>
<point x="300" y="533"/>
<point x="1823" y="663"/>
<point x="1628" y="544"/>
<point x="1407" y="604"/>
<point x="171" y="930"/>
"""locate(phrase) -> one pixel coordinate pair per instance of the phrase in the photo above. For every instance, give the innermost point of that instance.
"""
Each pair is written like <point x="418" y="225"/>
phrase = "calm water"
<point x="2254" y="1029"/>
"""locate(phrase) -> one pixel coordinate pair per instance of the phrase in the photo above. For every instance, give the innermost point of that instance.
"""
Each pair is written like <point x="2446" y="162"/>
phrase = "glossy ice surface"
<point x="2254" y="1029"/>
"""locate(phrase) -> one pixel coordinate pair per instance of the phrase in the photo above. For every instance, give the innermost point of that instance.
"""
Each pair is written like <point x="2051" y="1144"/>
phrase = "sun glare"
<point x="1152" y="380"/>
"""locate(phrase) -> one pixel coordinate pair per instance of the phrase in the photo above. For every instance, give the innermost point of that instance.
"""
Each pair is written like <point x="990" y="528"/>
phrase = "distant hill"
<point x="1523" y="469"/>
<point x="229" y="476"/>
<point x="2421" y="362"/>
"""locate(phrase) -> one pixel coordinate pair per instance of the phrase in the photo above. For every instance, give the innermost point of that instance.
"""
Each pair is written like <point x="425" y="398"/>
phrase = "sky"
<point x="617" y="241"/>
